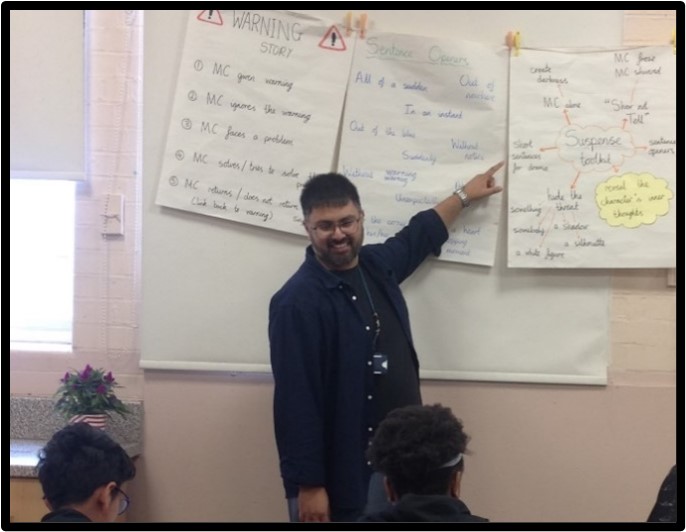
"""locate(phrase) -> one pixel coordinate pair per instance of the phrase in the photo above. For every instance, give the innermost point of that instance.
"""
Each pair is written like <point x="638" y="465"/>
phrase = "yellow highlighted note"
<point x="631" y="200"/>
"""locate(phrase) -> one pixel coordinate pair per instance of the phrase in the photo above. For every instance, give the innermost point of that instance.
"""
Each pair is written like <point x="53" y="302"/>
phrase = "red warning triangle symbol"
<point x="333" y="40"/>
<point x="211" y="16"/>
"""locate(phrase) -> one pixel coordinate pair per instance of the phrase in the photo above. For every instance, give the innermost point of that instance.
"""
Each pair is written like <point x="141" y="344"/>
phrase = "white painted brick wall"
<point x="643" y="308"/>
<point x="108" y="272"/>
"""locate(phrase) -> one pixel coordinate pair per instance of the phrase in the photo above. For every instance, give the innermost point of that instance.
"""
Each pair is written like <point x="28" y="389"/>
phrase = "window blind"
<point x="47" y="111"/>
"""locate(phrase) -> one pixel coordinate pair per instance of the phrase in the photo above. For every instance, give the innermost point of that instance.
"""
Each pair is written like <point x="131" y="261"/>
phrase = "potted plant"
<point x="88" y="396"/>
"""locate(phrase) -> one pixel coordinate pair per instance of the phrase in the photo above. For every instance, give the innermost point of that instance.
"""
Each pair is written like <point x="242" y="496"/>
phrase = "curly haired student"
<point x="420" y="450"/>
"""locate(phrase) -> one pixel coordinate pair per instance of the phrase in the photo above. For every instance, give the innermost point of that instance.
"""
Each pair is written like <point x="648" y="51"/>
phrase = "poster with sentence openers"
<point x="423" y="115"/>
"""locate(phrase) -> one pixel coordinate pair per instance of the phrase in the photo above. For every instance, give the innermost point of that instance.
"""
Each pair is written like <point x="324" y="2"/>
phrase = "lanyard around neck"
<point x="375" y="314"/>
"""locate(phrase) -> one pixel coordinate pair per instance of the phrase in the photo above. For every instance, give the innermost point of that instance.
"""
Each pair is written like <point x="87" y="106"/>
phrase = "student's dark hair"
<point x="77" y="460"/>
<point x="413" y="443"/>
<point x="328" y="190"/>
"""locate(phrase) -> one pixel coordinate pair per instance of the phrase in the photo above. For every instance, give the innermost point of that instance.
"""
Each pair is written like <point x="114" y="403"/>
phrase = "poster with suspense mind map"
<point x="256" y="112"/>
<point x="592" y="175"/>
<point x="422" y="117"/>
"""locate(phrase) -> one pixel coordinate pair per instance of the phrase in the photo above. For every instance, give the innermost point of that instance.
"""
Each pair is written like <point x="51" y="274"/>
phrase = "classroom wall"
<point x="540" y="452"/>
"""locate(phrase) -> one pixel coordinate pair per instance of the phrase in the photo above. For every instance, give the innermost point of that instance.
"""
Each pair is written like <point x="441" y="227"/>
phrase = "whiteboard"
<point x="207" y="282"/>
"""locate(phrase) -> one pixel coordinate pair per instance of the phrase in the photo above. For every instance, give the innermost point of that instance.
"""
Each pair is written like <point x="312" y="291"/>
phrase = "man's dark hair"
<point x="77" y="460"/>
<point x="412" y="446"/>
<point x="328" y="190"/>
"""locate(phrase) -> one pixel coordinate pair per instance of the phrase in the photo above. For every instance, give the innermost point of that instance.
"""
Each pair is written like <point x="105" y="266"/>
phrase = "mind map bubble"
<point x="632" y="199"/>
<point x="594" y="149"/>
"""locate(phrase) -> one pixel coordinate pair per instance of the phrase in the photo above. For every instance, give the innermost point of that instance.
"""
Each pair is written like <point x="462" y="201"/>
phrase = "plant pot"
<point x="98" y="421"/>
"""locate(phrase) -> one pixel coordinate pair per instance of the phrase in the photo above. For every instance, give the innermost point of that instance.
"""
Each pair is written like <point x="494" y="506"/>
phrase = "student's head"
<point x="420" y="450"/>
<point x="82" y="468"/>
<point x="333" y="219"/>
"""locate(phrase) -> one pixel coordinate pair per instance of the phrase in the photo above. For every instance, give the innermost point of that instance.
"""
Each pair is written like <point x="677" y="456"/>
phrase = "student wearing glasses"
<point x="82" y="470"/>
<point x="341" y="348"/>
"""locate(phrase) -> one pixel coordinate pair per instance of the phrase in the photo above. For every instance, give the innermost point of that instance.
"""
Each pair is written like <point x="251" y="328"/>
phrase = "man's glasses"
<point x="346" y="225"/>
<point x="124" y="502"/>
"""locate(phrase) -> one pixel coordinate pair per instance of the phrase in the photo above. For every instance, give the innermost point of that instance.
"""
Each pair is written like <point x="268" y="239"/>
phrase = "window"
<point x="41" y="263"/>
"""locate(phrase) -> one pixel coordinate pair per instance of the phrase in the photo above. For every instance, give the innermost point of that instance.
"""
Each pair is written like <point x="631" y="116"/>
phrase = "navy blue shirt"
<point x="321" y="355"/>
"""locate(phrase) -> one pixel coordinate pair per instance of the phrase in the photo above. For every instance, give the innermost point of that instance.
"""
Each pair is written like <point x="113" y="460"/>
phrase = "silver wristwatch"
<point x="460" y="193"/>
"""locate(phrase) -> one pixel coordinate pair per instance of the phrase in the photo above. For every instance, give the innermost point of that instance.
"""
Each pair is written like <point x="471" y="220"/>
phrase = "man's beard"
<point x="338" y="261"/>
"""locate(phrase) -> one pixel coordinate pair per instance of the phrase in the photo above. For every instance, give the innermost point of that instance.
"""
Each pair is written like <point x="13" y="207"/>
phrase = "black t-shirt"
<point x="65" y="515"/>
<point x="400" y="385"/>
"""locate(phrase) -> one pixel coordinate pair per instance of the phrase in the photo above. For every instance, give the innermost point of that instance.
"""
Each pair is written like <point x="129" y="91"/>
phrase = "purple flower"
<point x="86" y="372"/>
<point x="81" y="391"/>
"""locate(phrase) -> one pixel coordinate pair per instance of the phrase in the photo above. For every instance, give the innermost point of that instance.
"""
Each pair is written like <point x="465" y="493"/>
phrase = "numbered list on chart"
<point x="256" y="113"/>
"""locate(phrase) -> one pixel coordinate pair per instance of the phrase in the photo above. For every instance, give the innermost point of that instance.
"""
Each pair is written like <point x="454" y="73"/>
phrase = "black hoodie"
<point x="429" y="508"/>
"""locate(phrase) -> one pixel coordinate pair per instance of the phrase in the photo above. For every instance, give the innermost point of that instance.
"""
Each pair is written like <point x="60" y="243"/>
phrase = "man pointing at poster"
<point x="341" y="347"/>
